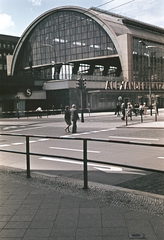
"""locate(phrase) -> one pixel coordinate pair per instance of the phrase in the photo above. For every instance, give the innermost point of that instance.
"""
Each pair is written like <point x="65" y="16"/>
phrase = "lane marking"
<point x="104" y="130"/>
<point x="17" y="143"/>
<point x="43" y="139"/>
<point x="103" y="168"/>
<point x="25" y="129"/>
<point x="21" y="143"/>
<point x="161" y="157"/>
<point x="72" y="149"/>
<point x="5" y="145"/>
<point x="6" y="128"/>
<point x="59" y="160"/>
<point x="149" y="139"/>
<point x="115" y="169"/>
<point x="83" y="133"/>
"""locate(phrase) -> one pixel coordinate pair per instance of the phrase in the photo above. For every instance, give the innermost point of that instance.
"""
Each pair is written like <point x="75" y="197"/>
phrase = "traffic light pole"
<point x="81" y="85"/>
<point x="17" y="99"/>
<point x="82" y="115"/>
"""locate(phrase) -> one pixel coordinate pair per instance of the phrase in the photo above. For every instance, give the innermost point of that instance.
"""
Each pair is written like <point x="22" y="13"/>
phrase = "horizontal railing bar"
<point x="11" y="151"/>
<point x="84" y="160"/>
<point x="55" y="156"/>
<point x="88" y="139"/>
<point x="126" y="142"/>
<point x="43" y="155"/>
<point x="88" y="160"/>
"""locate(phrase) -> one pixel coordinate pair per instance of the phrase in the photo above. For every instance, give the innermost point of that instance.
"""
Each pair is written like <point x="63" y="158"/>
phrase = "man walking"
<point x="74" y="118"/>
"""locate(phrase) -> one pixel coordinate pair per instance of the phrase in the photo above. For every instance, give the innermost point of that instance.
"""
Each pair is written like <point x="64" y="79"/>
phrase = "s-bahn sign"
<point x="118" y="85"/>
<point x="28" y="92"/>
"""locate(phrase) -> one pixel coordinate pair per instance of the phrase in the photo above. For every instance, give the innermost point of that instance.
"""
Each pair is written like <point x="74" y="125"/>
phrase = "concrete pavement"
<point x="46" y="208"/>
<point x="43" y="208"/>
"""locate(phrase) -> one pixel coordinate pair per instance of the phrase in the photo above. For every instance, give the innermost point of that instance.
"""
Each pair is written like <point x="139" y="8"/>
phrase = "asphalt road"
<point x="100" y="126"/>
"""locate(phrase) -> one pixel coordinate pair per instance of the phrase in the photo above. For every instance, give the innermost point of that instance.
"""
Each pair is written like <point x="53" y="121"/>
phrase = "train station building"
<point x="120" y="58"/>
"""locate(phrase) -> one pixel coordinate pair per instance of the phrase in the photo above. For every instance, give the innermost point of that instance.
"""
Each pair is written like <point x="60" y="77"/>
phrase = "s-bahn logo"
<point x="28" y="92"/>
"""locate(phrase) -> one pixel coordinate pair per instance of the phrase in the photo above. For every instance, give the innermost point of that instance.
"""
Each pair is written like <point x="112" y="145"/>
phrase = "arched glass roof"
<point x="64" y="36"/>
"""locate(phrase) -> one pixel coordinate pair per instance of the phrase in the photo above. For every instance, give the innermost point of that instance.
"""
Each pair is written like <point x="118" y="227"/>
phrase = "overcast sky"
<point x="16" y="15"/>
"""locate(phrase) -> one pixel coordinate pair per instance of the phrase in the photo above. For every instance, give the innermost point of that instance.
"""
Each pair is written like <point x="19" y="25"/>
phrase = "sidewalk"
<point x="46" y="208"/>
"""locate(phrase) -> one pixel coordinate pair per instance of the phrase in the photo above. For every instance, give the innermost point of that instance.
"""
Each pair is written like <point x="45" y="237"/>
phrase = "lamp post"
<point x="150" y="92"/>
<point x="149" y="69"/>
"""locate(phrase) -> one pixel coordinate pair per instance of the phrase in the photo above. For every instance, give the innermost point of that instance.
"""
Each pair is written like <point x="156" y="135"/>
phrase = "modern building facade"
<point x="119" y="57"/>
<point x="7" y="46"/>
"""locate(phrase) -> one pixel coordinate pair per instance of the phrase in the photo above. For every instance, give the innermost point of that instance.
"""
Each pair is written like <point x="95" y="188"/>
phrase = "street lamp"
<point x="149" y="68"/>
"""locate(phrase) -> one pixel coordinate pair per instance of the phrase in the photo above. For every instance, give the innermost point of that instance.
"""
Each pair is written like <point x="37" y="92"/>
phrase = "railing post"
<point x="85" y="163"/>
<point x="141" y="117"/>
<point x="126" y="117"/>
<point x="28" y="156"/>
<point x="156" y="116"/>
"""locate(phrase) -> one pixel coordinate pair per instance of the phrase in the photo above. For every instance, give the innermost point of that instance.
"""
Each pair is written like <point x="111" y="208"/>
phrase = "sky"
<point x="16" y="15"/>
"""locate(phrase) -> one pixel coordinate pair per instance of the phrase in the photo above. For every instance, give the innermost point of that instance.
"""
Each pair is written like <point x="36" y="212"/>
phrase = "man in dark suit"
<point x="74" y="118"/>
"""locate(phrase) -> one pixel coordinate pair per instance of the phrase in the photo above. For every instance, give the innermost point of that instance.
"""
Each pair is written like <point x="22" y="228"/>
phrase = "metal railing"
<point x="129" y="116"/>
<point x="85" y="159"/>
<point x="34" y="113"/>
<point x="30" y="113"/>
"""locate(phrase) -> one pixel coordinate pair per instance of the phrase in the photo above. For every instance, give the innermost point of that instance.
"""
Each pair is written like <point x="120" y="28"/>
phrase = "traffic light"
<point x="81" y="83"/>
<point x="17" y="99"/>
<point x="84" y="83"/>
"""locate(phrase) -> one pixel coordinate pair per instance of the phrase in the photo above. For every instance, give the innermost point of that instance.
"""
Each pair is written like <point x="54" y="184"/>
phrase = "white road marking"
<point x="83" y="133"/>
<point x="43" y="139"/>
<point x="161" y="157"/>
<point x="104" y="130"/>
<point x="103" y="168"/>
<point x="25" y="129"/>
<point x="60" y="160"/>
<point x="148" y="139"/>
<point x="72" y="149"/>
<point x="21" y="143"/>
<point x="18" y="143"/>
<point x="115" y="169"/>
<point x="5" y="145"/>
<point x="6" y="128"/>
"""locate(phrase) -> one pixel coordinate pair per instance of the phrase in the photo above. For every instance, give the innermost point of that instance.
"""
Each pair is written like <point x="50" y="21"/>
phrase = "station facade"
<point x="119" y="57"/>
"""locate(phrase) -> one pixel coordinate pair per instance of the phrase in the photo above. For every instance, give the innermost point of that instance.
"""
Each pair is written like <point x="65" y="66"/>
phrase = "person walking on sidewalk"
<point x="67" y="117"/>
<point x="39" y="112"/>
<point x="123" y="111"/>
<point x="74" y="118"/>
<point x="118" y="108"/>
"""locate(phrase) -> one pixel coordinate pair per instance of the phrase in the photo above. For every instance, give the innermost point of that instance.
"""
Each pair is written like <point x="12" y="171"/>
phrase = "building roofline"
<point x="131" y="21"/>
<point x="8" y="36"/>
